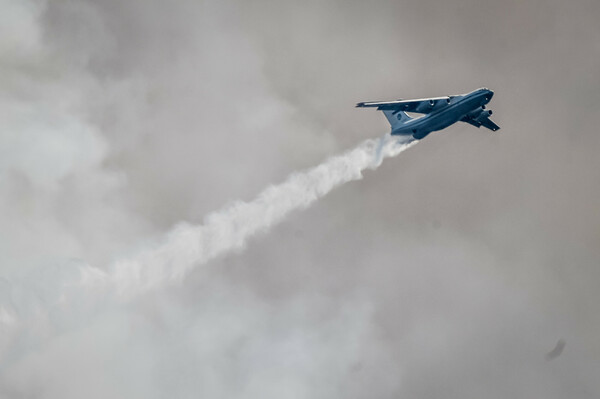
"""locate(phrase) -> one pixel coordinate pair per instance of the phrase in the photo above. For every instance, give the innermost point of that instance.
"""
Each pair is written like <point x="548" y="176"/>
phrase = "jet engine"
<point x="479" y="114"/>
<point x="483" y="115"/>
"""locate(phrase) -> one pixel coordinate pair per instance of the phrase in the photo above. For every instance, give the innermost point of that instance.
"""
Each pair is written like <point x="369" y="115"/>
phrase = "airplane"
<point x="439" y="113"/>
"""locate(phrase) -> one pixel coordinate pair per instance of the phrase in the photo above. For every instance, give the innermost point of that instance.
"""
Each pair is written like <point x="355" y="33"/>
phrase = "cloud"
<point x="465" y="257"/>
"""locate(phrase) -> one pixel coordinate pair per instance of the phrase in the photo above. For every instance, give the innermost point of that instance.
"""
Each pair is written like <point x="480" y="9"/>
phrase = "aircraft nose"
<point x="489" y="94"/>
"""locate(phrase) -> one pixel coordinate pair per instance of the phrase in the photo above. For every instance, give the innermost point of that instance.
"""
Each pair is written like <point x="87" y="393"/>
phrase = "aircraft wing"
<point x="489" y="124"/>
<point x="485" y="122"/>
<point x="421" y="105"/>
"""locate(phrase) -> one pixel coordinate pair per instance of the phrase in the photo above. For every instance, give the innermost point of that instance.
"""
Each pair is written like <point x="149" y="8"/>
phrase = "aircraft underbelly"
<point x="427" y="124"/>
<point x="443" y="121"/>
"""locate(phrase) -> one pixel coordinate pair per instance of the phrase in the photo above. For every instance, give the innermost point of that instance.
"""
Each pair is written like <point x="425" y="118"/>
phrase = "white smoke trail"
<point x="71" y="296"/>
<point x="223" y="231"/>
<point x="229" y="228"/>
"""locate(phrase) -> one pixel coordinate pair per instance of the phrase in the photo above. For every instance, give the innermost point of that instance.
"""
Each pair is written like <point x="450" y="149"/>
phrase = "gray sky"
<point x="450" y="272"/>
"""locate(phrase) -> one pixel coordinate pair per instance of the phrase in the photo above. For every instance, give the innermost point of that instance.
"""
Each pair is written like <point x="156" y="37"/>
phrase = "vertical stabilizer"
<point x="396" y="117"/>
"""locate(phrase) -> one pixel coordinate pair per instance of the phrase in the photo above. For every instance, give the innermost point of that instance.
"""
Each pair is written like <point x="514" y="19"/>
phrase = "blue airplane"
<point x="439" y="113"/>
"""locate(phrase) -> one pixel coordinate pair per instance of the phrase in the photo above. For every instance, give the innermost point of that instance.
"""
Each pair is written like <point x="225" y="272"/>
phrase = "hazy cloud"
<point x="450" y="271"/>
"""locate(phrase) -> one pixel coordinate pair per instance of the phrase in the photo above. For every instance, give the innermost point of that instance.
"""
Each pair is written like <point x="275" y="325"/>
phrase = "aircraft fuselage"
<point x="457" y="108"/>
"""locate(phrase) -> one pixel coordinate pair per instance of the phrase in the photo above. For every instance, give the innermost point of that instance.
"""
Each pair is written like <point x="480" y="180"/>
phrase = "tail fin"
<point x="396" y="117"/>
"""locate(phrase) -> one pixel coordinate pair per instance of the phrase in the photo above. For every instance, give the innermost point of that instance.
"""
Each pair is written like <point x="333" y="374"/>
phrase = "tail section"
<point x="396" y="117"/>
<point x="392" y="110"/>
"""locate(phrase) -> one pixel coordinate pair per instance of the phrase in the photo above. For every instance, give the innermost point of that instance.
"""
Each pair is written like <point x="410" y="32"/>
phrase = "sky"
<point x="451" y="271"/>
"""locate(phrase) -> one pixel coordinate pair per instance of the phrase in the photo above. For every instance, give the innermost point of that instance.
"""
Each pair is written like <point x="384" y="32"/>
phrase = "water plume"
<point x="229" y="229"/>
<point x="187" y="245"/>
<point x="75" y="302"/>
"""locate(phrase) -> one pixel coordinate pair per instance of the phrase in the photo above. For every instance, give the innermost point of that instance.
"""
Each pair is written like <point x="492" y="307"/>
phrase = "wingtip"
<point x="359" y="105"/>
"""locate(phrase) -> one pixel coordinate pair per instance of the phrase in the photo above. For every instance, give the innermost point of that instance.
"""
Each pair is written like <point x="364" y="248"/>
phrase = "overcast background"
<point x="449" y="272"/>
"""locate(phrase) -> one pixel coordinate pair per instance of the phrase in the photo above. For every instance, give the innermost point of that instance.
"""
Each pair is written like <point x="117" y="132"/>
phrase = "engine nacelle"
<point x="483" y="115"/>
<point x="479" y="114"/>
<point x="427" y="106"/>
